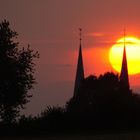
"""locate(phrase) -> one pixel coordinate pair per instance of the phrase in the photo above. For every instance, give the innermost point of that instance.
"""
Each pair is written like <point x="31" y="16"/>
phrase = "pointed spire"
<point x="80" y="68"/>
<point x="124" y="78"/>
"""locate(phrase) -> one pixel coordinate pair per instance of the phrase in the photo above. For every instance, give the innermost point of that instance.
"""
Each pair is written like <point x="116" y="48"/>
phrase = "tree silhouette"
<point x="101" y="99"/>
<point x="95" y="91"/>
<point x="16" y="73"/>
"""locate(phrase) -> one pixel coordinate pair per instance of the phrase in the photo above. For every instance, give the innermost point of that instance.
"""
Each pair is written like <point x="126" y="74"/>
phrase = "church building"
<point x="124" y="78"/>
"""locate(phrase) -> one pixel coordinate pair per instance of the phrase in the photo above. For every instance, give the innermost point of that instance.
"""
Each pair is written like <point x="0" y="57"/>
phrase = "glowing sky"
<point x="51" y="27"/>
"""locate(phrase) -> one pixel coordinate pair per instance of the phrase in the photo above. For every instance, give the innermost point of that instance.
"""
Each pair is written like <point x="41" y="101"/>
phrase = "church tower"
<point x="80" y="68"/>
<point x="124" y="79"/>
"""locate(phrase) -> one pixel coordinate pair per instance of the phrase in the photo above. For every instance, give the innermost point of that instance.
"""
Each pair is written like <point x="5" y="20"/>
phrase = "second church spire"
<point x="124" y="79"/>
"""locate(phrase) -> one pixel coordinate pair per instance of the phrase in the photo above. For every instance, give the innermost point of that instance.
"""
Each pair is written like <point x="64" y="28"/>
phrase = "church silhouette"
<point x="124" y="78"/>
<point x="103" y="101"/>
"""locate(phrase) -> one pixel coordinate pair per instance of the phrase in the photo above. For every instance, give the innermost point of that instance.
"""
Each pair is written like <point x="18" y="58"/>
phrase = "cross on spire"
<point x="80" y="34"/>
<point x="124" y="36"/>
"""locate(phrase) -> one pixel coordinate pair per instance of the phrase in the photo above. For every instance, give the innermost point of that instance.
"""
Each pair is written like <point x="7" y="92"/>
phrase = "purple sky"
<point x="51" y="27"/>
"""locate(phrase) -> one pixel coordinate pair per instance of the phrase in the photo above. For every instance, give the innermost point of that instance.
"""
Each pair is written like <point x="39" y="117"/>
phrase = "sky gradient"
<point x="51" y="27"/>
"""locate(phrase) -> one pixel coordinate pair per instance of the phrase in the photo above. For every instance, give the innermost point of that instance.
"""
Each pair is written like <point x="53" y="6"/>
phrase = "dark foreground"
<point x="85" y="136"/>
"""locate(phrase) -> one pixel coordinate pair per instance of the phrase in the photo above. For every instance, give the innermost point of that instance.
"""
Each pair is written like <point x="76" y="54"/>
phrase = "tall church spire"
<point x="80" y="68"/>
<point x="124" y="79"/>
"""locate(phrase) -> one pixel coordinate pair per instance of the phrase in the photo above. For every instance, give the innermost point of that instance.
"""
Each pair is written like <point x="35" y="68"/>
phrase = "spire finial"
<point x="124" y="36"/>
<point x="80" y="30"/>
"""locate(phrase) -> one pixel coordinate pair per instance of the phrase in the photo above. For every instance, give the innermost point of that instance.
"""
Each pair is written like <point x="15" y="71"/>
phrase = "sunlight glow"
<point x="132" y="53"/>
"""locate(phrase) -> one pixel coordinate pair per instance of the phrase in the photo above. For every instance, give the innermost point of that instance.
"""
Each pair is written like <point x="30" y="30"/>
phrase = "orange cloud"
<point x="95" y="34"/>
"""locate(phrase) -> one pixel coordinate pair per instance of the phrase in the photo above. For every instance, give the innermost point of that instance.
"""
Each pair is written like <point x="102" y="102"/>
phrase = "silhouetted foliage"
<point x="16" y="73"/>
<point x="53" y="116"/>
<point x="101" y="104"/>
<point x="52" y="111"/>
<point x="102" y="101"/>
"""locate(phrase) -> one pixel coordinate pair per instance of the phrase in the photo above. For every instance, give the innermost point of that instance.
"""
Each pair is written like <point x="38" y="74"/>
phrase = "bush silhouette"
<point x="102" y="101"/>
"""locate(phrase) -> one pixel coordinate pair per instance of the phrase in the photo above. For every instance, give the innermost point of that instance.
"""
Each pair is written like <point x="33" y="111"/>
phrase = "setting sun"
<point x="132" y="52"/>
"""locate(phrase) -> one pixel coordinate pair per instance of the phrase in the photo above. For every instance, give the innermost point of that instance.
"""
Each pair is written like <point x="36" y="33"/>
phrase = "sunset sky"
<point x="51" y="27"/>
